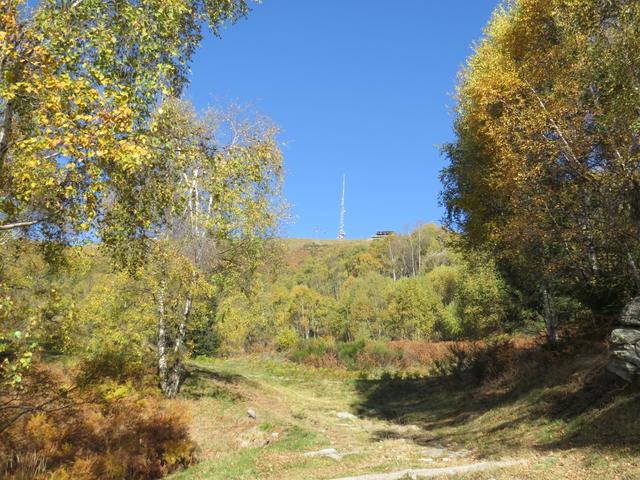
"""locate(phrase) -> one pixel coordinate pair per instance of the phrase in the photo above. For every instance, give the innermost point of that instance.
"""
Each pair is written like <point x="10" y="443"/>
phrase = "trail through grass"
<point x="402" y="423"/>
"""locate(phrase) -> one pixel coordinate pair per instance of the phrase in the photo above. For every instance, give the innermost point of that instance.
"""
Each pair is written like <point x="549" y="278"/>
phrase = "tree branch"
<point x="10" y="226"/>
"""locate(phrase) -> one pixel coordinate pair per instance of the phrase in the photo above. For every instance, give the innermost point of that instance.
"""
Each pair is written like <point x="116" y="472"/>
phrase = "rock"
<point x="346" y="416"/>
<point x="251" y="413"/>
<point x="460" y="453"/>
<point x="416" y="473"/>
<point x="630" y="315"/>
<point x="627" y="353"/>
<point x="624" y="336"/>
<point x="624" y="359"/>
<point x="325" y="452"/>
<point x="625" y="370"/>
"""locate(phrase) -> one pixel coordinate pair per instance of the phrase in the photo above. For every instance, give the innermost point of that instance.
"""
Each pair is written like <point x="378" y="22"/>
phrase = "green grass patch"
<point x="299" y="439"/>
<point x="243" y="464"/>
<point x="239" y="465"/>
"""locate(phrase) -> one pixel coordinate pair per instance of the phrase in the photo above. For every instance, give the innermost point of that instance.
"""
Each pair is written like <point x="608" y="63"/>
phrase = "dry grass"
<point x="557" y="410"/>
<point x="417" y="352"/>
<point x="107" y="430"/>
<point x="402" y="355"/>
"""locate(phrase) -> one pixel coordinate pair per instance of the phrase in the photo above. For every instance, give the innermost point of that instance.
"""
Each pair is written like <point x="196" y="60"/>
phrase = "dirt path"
<point x="306" y="426"/>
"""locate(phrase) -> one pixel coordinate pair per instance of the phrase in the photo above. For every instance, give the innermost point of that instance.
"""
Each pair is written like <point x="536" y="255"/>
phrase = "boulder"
<point x="627" y="353"/>
<point x="630" y="315"/>
<point x="346" y="416"/>
<point x="434" y="452"/>
<point x="624" y="359"/>
<point x="624" y="370"/>
<point x="625" y="336"/>
<point x="326" y="452"/>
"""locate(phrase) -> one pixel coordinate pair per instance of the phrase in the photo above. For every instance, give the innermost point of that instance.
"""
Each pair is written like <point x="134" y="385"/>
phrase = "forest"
<point x="155" y="322"/>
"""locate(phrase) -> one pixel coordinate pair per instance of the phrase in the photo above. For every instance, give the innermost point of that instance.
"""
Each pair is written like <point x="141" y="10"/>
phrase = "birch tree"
<point x="220" y="175"/>
<point x="78" y="81"/>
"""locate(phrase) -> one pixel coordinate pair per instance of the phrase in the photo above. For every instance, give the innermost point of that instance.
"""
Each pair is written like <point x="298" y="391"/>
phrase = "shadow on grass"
<point x="202" y="383"/>
<point x="572" y="402"/>
<point x="209" y="374"/>
<point x="603" y="412"/>
<point x="421" y="438"/>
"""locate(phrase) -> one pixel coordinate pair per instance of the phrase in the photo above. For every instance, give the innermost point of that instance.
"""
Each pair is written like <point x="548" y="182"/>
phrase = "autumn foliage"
<point x="543" y="172"/>
<point x="107" y="430"/>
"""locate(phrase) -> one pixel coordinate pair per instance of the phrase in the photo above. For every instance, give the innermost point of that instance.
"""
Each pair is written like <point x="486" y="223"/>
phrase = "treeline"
<point x="409" y="286"/>
<point x="543" y="173"/>
<point x="403" y="287"/>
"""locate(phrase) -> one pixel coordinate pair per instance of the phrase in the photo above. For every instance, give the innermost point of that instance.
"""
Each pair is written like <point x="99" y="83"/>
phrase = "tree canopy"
<point x="79" y="81"/>
<point x="543" y="172"/>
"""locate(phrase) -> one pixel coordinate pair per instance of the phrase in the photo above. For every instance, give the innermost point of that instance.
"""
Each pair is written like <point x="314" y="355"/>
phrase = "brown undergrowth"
<point x="57" y="427"/>
<point x="408" y="354"/>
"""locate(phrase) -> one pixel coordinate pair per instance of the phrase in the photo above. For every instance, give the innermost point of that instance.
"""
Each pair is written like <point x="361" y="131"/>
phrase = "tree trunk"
<point x="419" y="250"/>
<point x="634" y="269"/>
<point x="393" y="261"/>
<point x="177" y="372"/>
<point x="413" y="260"/>
<point x="550" y="317"/>
<point x="163" y="361"/>
<point x="5" y="134"/>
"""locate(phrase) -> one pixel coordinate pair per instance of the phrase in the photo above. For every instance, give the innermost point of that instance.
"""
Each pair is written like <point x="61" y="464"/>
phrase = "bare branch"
<point x="11" y="226"/>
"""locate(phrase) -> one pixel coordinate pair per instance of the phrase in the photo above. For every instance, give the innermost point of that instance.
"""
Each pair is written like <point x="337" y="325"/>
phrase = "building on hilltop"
<point x="381" y="234"/>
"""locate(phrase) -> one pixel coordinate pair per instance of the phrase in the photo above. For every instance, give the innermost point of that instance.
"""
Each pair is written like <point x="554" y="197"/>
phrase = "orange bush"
<point x="109" y="431"/>
<point x="417" y="352"/>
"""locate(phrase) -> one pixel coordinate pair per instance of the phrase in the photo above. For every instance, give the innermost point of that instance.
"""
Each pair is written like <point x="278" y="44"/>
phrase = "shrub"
<point x="380" y="354"/>
<point x="106" y="431"/>
<point x="287" y="338"/>
<point x="348" y="352"/>
<point x="204" y="338"/>
<point x="316" y="352"/>
<point x="480" y="360"/>
<point x="110" y="364"/>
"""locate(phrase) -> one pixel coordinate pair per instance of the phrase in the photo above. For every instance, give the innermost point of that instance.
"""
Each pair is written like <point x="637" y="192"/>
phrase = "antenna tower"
<point x="342" y="211"/>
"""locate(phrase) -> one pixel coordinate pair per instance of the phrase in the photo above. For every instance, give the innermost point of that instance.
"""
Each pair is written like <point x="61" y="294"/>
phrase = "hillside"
<point x="296" y="250"/>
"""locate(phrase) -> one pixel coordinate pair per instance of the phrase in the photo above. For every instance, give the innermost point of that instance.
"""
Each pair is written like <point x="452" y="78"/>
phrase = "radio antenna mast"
<point x="342" y="210"/>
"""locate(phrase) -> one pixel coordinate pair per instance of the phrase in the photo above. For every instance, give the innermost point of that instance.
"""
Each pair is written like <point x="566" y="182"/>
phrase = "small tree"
<point x="217" y="179"/>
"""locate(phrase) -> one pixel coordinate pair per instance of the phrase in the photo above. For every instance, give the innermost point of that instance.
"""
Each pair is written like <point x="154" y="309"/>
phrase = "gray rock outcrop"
<point x="624" y="343"/>
<point x="630" y="315"/>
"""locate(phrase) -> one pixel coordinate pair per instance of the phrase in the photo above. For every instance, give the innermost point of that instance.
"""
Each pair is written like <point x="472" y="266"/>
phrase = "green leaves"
<point x="78" y="83"/>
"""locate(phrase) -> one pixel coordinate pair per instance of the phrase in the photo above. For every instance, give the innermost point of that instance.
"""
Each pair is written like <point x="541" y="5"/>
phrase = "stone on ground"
<point x="418" y="473"/>
<point x="325" y="452"/>
<point x="346" y="416"/>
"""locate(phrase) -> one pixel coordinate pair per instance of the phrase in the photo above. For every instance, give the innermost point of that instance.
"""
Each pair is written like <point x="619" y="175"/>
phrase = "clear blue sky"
<point x="361" y="87"/>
